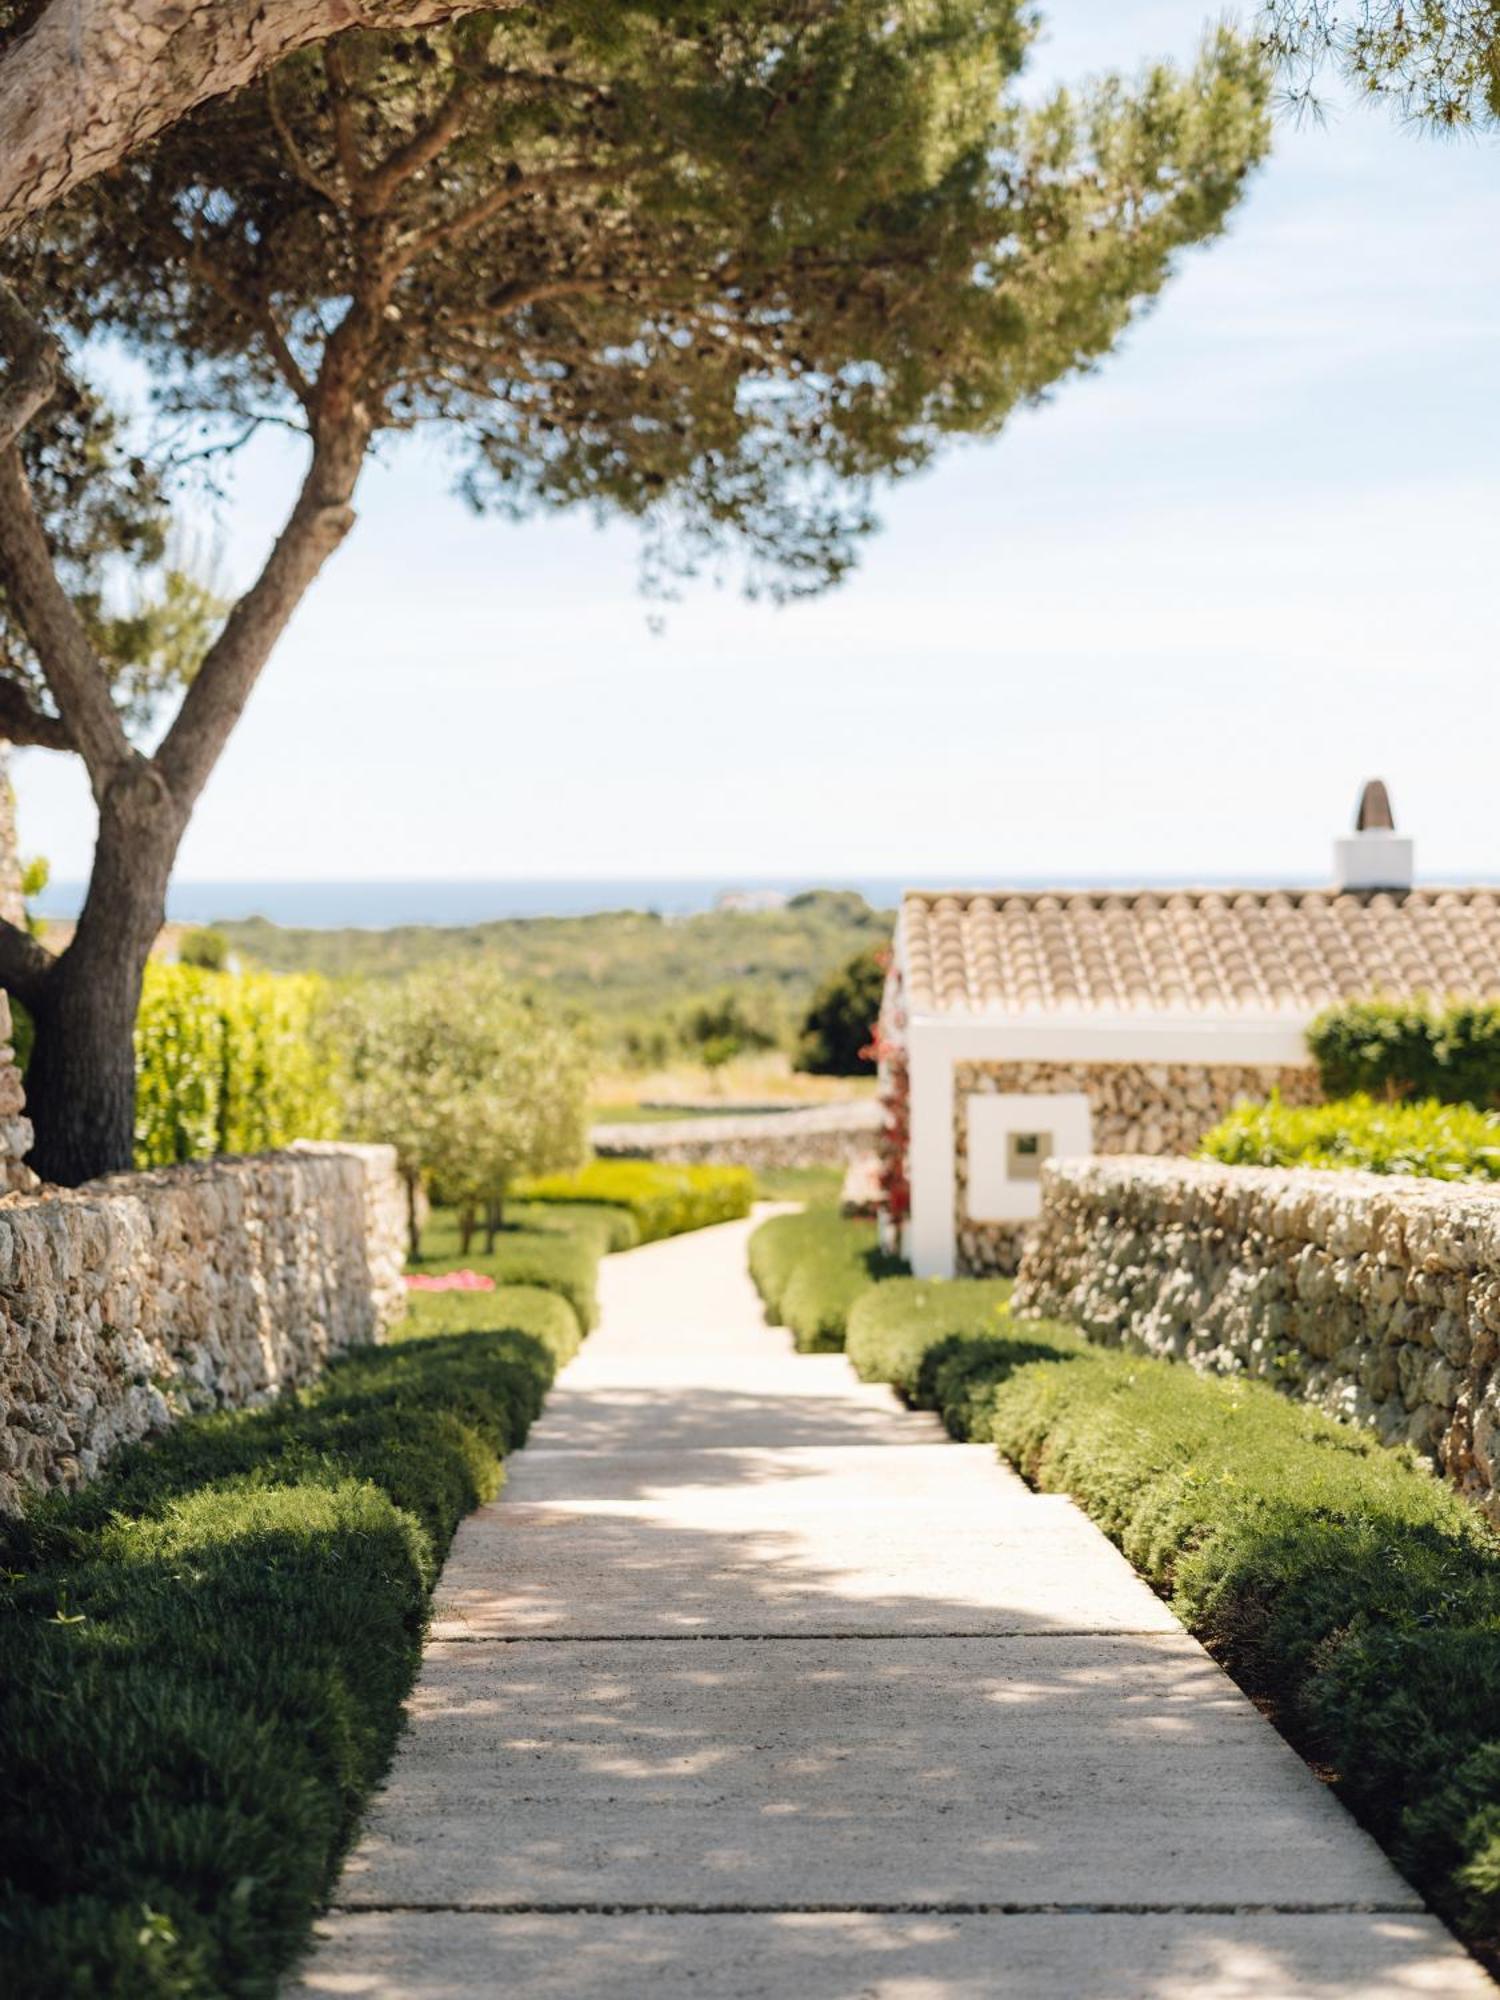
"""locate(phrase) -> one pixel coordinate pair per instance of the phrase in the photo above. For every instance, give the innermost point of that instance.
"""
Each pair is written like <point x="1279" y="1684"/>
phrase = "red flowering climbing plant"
<point x="888" y="1050"/>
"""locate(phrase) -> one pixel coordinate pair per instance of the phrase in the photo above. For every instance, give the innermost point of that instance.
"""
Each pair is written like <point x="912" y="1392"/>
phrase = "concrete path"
<point x="754" y="1687"/>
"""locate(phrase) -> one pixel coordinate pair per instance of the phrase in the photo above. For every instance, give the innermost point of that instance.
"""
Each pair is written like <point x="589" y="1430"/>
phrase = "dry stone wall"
<point x="1136" y="1108"/>
<point x="1376" y="1297"/>
<point x="140" y="1298"/>
<point x="821" y="1135"/>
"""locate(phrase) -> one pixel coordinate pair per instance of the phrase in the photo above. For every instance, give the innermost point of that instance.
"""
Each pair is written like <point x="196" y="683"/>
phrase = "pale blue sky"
<point x="1165" y="625"/>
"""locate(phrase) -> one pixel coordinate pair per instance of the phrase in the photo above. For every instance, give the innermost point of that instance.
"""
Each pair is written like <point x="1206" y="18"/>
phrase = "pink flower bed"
<point x="448" y="1281"/>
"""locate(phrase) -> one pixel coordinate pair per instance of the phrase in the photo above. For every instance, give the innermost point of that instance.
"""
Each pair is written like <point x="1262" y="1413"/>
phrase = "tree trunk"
<point x="465" y="1228"/>
<point x="91" y="80"/>
<point x="80" y="1086"/>
<point x="494" y="1221"/>
<point x="413" y="1217"/>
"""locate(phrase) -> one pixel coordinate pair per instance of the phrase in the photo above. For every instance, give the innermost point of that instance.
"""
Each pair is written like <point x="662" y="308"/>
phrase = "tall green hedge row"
<point x="1338" y="1580"/>
<point x="1398" y="1048"/>
<point x="1446" y="1142"/>
<point x="230" y="1063"/>
<point x="203" y="1658"/>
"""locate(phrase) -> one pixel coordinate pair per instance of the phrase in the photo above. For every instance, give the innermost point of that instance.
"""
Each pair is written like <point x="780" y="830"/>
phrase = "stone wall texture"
<point x="821" y="1135"/>
<point x="1374" y="1296"/>
<point x="141" y="1298"/>
<point x="1137" y="1108"/>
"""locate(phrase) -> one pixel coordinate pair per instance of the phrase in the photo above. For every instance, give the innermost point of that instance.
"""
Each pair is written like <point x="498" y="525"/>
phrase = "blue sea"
<point x="379" y="905"/>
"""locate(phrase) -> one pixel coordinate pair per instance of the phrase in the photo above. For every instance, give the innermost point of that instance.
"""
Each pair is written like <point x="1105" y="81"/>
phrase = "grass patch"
<point x="556" y="1252"/>
<point x="817" y="1187"/>
<point x="810" y="1268"/>
<point x="660" y="1199"/>
<point x="203" y="1656"/>
<point x="1336" y="1578"/>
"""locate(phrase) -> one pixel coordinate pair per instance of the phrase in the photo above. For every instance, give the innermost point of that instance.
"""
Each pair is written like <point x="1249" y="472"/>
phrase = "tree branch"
<point x="75" y="679"/>
<point x="297" y="160"/>
<point x="216" y="697"/>
<point x="496" y="202"/>
<point x="93" y="80"/>
<point x="34" y="356"/>
<point x="255" y="312"/>
<point x="25" y="964"/>
<point x="26" y="725"/>
<point x="419" y="151"/>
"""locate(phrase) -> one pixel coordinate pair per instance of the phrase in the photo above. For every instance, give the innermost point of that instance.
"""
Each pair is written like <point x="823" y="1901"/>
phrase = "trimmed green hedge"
<point x="204" y="1654"/>
<point x="663" y="1200"/>
<point x="1393" y="1048"/>
<point x="901" y="1331"/>
<point x="1337" y="1579"/>
<point x="230" y="1063"/>
<point x="811" y="1267"/>
<point x="1446" y="1142"/>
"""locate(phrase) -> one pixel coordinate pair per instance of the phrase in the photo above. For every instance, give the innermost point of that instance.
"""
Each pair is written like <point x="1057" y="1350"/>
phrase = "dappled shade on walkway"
<point x="754" y="1685"/>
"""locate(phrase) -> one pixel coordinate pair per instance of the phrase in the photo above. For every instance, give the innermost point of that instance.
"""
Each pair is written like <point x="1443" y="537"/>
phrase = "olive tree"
<point x="720" y="272"/>
<point x="472" y="1084"/>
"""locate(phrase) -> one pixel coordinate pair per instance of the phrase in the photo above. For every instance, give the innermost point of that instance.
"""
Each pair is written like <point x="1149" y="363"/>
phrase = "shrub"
<point x="203" y="947"/>
<point x="1392" y="1048"/>
<point x="204" y="1655"/>
<point x="899" y="1330"/>
<point x="839" y="1026"/>
<point x="662" y="1200"/>
<point x="230" y="1063"/>
<point x="1337" y="1579"/>
<point x="1446" y="1142"/>
<point x="810" y="1268"/>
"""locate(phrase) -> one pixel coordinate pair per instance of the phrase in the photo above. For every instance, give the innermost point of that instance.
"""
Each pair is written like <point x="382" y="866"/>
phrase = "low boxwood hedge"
<point x="203" y="1657"/>
<point x="1446" y="1142"/>
<point x="662" y="1200"/>
<point x="809" y="1269"/>
<point x="1339" y="1580"/>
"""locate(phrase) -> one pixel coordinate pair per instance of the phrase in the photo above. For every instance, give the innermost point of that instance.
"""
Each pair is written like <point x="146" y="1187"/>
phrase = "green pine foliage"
<point x="661" y="1199"/>
<point x="839" y="1025"/>
<point x="810" y="1268"/>
<point x="1338" y="1580"/>
<point x="230" y="1063"/>
<point x="1401" y="1049"/>
<point x="1445" y="1142"/>
<point x="203" y="1657"/>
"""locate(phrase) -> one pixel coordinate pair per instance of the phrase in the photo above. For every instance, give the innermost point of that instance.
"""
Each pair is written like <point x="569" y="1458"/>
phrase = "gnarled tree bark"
<point x="91" y="80"/>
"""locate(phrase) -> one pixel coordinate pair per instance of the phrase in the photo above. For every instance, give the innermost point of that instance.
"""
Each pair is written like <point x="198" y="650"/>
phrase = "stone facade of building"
<point x="1375" y="1297"/>
<point x="143" y="1297"/>
<point x="1136" y="1108"/>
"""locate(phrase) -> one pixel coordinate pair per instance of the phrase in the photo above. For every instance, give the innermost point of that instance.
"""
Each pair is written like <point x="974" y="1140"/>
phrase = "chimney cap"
<point x="1375" y="814"/>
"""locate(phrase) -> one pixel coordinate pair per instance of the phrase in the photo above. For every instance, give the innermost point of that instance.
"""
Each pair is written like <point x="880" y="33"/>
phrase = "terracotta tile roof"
<point x="1195" y="950"/>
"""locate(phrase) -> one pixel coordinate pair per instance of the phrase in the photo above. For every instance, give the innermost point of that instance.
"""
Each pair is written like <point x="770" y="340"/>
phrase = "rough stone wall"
<point x="823" y="1135"/>
<point x="142" y="1297"/>
<point x="1137" y="1108"/>
<point x="1376" y="1297"/>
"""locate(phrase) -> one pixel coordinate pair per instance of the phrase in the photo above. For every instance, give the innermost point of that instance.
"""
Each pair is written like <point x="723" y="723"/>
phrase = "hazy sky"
<point x="1164" y="625"/>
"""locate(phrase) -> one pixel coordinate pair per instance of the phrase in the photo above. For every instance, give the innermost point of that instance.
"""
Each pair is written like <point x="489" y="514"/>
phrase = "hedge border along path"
<point x="204" y="1654"/>
<point x="810" y="1268"/>
<point x="1335" y="1578"/>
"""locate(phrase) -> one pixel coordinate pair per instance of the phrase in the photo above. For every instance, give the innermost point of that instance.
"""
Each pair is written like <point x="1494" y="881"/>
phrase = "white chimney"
<point x="1374" y="856"/>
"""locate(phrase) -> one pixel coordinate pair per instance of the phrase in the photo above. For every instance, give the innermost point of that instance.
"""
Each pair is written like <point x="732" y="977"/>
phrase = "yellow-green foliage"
<point x="664" y="1200"/>
<point x="230" y="1063"/>
<point x="1445" y="1142"/>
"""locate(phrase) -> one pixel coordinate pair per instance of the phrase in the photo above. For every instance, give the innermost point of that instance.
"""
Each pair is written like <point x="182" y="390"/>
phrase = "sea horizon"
<point x="355" y="904"/>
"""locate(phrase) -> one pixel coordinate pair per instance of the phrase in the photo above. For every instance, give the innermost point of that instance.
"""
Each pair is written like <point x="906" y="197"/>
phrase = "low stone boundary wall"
<point x="821" y="1135"/>
<point x="1375" y="1296"/>
<point x="137" y="1299"/>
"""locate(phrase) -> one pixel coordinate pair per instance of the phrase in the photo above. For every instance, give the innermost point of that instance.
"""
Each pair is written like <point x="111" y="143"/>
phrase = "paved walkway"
<point x="754" y="1687"/>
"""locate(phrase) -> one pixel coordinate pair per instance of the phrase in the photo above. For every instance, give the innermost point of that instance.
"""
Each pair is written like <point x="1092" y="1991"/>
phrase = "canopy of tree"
<point x="1437" y="61"/>
<point x="720" y="272"/>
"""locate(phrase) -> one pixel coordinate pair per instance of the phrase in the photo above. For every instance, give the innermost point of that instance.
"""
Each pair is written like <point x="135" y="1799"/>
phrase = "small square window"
<point x="1025" y="1152"/>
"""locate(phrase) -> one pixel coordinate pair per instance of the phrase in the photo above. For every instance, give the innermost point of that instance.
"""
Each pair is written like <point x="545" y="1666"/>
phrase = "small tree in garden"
<point x="719" y="271"/>
<point x="839" y="1026"/>
<point x="472" y="1086"/>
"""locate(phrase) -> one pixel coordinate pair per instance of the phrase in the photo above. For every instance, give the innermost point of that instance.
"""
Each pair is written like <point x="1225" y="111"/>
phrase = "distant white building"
<point x="1032" y="1025"/>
